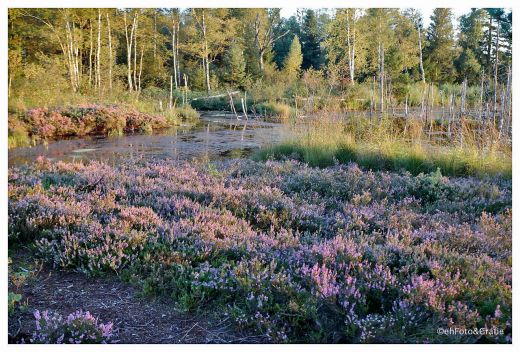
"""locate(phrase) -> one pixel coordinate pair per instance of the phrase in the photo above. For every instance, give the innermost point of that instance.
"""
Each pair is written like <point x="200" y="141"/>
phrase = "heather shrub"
<point x="84" y="119"/>
<point x="299" y="254"/>
<point x="78" y="327"/>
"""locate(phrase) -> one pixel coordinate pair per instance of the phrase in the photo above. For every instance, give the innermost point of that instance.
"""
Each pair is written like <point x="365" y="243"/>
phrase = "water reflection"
<point x="214" y="136"/>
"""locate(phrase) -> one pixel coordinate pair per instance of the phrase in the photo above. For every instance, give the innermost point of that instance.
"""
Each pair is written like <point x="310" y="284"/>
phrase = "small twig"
<point x="187" y="332"/>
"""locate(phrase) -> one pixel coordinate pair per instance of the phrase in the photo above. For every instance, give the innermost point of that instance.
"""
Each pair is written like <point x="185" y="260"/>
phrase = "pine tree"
<point x="471" y="37"/>
<point x="440" y="51"/>
<point x="311" y="41"/>
<point x="282" y="46"/>
<point x="468" y="67"/>
<point x="294" y="59"/>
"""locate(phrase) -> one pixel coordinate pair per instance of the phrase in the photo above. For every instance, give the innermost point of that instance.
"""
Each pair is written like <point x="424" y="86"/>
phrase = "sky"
<point x="426" y="11"/>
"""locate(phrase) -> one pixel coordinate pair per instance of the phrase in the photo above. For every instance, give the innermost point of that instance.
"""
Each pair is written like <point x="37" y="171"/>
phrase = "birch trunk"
<point x="171" y="92"/>
<point x="110" y="63"/>
<point x="350" y="49"/>
<point x="421" y="67"/>
<point x="174" y="52"/>
<point x="98" y="55"/>
<point x="206" y="52"/>
<point x="381" y="76"/>
<point x="69" y="55"/>
<point x="496" y="73"/>
<point x="135" y="53"/>
<point x="75" y="55"/>
<point x="177" y="52"/>
<point x="481" y="95"/>
<point x="90" y="56"/>
<point x="140" y="70"/>
<point x="154" y="35"/>
<point x="129" y="51"/>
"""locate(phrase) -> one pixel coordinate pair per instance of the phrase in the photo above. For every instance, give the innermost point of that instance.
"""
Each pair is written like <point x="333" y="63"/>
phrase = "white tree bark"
<point x="421" y="67"/>
<point x="351" y="47"/>
<point x="129" y="42"/>
<point x="177" y="52"/>
<point x="135" y="54"/>
<point x="110" y="60"/>
<point x="98" y="54"/>
<point x="265" y="38"/>
<point x="381" y="76"/>
<point x="90" y="55"/>
<point x="174" y="52"/>
<point x="140" y="70"/>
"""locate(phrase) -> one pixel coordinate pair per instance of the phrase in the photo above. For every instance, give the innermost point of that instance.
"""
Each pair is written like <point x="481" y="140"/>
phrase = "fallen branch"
<point x="216" y="96"/>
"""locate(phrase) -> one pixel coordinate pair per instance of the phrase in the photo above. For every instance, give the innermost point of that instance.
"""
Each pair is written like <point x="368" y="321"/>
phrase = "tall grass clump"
<point x="389" y="144"/>
<point x="274" y="109"/>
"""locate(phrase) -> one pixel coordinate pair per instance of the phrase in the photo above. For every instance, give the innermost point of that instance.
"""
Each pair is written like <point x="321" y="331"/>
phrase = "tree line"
<point x="100" y="50"/>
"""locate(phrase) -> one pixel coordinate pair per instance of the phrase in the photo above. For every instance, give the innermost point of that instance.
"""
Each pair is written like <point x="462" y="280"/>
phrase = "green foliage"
<point x="218" y="48"/>
<point x="282" y="46"/>
<point x="293" y="61"/>
<point x="440" y="52"/>
<point x="235" y="72"/>
<point x="186" y="112"/>
<point x="468" y="66"/>
<point x="311" y="41"/>
<point x="12" y="300"/>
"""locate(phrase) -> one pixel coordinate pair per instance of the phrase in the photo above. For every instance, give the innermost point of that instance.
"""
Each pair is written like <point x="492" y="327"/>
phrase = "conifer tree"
<point x="235" y="63"/>
<point x="311" y="41"/>
<point x="440" y="51"/>
<point x="294" y="59"/>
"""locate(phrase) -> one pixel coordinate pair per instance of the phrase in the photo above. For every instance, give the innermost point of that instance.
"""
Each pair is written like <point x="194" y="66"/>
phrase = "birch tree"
<point x="266" y="20"/>
<point x="129" y="43"/>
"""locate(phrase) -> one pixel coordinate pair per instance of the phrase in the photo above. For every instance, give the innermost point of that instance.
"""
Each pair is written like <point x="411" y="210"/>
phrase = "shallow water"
<point x="215" y="136"/>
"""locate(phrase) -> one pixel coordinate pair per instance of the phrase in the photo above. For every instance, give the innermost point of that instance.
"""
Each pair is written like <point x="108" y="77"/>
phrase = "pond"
<point x="215" y="136"/>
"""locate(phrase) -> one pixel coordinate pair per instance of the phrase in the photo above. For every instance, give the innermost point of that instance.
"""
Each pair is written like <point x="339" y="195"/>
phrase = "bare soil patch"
<point x="138" y="319"/>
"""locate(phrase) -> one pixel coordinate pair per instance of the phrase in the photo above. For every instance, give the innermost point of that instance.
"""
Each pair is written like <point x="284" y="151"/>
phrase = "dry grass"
<point x="391" y="144"/>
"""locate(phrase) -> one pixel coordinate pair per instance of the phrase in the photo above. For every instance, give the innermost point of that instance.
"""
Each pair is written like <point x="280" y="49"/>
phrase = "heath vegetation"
<point x="383" y="215"/>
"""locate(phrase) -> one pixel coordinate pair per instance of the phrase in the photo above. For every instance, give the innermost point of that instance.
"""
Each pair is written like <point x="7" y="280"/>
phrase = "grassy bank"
<point x="390" y="145"/>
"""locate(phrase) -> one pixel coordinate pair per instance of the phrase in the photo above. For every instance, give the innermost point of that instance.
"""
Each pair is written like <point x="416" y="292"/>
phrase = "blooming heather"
<point x="78" y="327"/>
<point x="87" y="119"/>
<point x="297" y="253"/>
